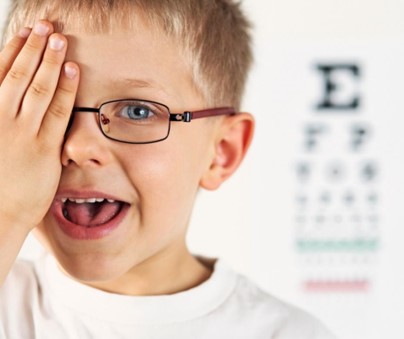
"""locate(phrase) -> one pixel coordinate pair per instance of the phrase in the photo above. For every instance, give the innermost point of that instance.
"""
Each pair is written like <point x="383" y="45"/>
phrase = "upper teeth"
<point x="90" y="200"/>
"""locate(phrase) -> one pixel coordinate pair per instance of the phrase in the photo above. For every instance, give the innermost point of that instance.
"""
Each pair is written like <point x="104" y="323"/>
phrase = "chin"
<point x="91" y="268"/>
<point x="87" y="264"/>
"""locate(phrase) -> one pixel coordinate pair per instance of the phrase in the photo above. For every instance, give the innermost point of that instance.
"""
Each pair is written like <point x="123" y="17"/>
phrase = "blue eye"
<point x="137" y="112"/>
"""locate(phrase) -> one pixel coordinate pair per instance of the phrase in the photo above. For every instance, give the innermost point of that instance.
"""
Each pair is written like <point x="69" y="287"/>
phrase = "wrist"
<point x="15" y="224"/>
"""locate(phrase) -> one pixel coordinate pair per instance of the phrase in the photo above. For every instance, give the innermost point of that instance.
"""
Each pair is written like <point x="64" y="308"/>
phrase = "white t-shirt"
<point x="37" y="300"/>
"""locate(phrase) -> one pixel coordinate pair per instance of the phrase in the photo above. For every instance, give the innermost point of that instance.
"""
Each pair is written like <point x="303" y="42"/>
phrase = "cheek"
<point x="159" y="172"/>
<point x="166" y="175"/>
<point x="178" y="161"/>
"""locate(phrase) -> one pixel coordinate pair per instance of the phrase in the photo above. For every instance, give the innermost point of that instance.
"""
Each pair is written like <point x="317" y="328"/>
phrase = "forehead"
<point x="141" y="61"/>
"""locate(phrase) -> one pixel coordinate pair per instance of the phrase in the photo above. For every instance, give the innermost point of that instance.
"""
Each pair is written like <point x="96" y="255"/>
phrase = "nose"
<point x="84" y="143"/>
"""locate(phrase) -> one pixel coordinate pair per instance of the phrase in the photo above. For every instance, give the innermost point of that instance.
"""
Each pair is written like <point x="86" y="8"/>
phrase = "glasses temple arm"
<point x="188" y="116"/>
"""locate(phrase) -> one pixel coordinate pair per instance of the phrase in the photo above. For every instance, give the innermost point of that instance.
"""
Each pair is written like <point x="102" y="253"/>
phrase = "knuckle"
<point x="58" y="110"/>
<point x="13" y="44"/>
<point x="16" y="74"/>
<point x="44" y="147"/>
<point x="66" y="91"/>
<point x="38" y="90"/>
<point x="32" y="46"/>
<point x="51" y="60"/>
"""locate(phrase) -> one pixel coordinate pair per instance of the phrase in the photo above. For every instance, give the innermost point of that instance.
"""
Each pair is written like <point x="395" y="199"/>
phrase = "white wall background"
<point x="249" y="221"/>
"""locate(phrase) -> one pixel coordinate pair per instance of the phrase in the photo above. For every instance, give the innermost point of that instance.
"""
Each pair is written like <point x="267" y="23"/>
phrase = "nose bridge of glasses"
<point x="86" y="109"/>
<point x="83" y="110"/>
<point x="91" y="110"/>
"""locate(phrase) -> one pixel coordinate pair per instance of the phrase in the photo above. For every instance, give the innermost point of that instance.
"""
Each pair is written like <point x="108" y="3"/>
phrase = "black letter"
<point x="330" y="87"/>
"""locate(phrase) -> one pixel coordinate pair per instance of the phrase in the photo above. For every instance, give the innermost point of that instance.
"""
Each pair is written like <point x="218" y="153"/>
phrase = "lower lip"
<point x="79" y="232"/>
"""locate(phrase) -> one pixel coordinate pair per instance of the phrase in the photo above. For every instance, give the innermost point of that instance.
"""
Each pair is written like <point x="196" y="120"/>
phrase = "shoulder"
<point x="271" y="315"/>
<point x="20" y="285"/>
<point x="21" y="276"/>
<point x="19" y="292"/>
<point x="20" y="297"/>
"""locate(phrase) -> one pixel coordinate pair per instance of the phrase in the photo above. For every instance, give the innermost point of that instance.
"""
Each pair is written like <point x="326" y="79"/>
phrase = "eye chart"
<point x="337" y="230"/>
<point x="327" y="165"/>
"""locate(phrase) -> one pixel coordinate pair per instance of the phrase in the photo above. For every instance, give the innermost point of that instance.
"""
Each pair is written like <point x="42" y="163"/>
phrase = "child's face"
<point x="158" y="182"/>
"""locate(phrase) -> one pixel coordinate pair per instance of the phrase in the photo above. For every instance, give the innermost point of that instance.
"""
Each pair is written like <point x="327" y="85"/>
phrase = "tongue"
<point x="88" y="214"/>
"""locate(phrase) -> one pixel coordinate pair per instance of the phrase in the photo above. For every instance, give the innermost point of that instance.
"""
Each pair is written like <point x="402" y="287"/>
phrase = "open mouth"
<point x="91" y="212"/>
<point x="89" y="217"/>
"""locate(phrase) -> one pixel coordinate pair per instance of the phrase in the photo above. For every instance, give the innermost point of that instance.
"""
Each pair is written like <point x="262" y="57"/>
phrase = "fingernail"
<point x="56" y="44"/>
<point x="41" y="29"/>
<point x="24" y="32"/>
<point x="70" y="72"/>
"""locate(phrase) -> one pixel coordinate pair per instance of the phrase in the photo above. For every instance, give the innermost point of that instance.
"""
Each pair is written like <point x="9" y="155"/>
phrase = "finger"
<point x="24" y="67"/>
<point x="57" y="117"/>
<point x="40" y="93"/>
<point x="11" y="50"/>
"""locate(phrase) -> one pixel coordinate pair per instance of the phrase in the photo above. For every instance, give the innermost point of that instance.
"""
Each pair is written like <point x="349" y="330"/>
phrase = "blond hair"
<point x="214" y="34"/>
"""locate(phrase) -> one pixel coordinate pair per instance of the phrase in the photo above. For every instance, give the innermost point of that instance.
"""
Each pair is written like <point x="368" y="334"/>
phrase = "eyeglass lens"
<point x="135" y="121"/>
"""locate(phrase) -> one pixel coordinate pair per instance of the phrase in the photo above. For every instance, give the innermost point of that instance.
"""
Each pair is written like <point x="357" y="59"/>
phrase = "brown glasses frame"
<point x="186" y="116"/>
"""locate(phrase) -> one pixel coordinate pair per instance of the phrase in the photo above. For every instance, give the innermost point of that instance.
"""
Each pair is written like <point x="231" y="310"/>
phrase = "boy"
<point x="110" y="193"/>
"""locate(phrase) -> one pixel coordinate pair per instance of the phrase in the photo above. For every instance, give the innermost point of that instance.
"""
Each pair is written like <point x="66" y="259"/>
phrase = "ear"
<point x="233" y="138"/>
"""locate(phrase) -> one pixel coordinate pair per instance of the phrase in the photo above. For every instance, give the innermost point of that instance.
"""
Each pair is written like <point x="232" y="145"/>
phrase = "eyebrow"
<point x="139" y="83"/>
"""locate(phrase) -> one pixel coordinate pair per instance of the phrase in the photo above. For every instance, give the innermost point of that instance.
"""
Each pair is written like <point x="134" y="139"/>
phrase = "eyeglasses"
<point x="137" y="121"/>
